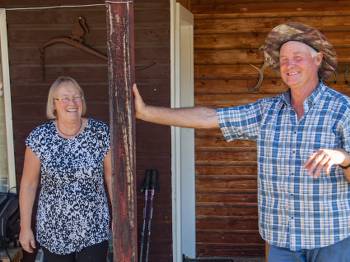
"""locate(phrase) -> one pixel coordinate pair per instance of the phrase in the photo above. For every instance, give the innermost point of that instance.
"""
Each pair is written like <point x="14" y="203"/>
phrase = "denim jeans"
<point x="339" y="252"/>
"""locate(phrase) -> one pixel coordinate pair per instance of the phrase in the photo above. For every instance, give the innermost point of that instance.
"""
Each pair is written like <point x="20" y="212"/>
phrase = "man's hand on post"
<point x="139" y="104"/>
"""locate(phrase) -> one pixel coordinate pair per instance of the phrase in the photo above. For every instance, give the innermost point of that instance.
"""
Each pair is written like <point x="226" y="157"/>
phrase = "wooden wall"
<point x="227" y="37"/>
<point x="28" y="30"/>
<point x="185" y="3"/>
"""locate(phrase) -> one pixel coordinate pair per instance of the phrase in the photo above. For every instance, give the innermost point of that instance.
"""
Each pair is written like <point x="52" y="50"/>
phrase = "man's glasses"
<point x="67" y="100"/>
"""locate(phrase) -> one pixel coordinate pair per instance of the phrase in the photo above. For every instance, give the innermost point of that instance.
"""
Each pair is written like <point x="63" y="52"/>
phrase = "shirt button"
<point x="295" y="132"/>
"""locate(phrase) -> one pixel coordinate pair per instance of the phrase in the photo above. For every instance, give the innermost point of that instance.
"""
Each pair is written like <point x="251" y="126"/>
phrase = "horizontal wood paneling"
<point x="271" y="86"/>
<point x="248" y="223"/>
<point x="228" y="35"/>
<point x="228" y="236"/>
<point x="225" y="185"/>
<point x="209" y="141"/>
<point x="253" y="39"/>
<point x="223" y="156"/>
<point x="262" y="24"/>
<point x="264" y="8"/>
<point x="248" y="56"/>
<point x="227" y="210"/>
<point x="226" y="249"/>
<point x="227" y="170"/>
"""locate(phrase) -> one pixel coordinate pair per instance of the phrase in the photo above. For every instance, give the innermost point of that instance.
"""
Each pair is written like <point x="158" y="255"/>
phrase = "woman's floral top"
<point x="73" y="209"/>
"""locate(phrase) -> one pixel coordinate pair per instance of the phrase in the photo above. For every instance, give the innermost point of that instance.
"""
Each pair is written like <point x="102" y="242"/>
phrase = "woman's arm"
<point x="29" y="185"/>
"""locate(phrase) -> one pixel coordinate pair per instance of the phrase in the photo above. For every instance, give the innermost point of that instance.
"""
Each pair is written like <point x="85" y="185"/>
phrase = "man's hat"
<point x="293" y="31"/>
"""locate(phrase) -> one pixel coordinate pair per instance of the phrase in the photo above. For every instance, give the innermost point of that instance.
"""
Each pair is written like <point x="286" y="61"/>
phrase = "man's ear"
<point x="318" y="58"/>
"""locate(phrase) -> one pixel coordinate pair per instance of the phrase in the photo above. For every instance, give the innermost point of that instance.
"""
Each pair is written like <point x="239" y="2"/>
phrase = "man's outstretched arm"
<point x="195" y="117"/>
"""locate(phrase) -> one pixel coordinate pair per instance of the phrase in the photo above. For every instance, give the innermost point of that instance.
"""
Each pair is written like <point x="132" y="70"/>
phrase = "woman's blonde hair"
<point x="50" y="108"/>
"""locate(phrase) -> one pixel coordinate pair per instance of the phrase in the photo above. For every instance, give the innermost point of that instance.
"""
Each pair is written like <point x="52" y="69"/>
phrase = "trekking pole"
<point x="150" y="184"/>
<point x="144" y="189"/>
<point x="153" y="187"/>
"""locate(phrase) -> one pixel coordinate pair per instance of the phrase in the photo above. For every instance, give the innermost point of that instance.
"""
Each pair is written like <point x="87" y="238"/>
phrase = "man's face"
<point x="299" y="65"/>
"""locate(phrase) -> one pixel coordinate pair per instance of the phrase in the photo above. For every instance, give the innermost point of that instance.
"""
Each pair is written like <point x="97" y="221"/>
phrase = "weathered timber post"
<point x="120" y="44"/>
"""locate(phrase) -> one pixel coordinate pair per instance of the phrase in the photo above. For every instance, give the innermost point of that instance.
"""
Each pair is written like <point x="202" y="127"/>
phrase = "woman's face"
<point x="68" y="102"/>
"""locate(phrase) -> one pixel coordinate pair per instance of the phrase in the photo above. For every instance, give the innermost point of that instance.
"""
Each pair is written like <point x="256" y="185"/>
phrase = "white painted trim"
<point x="182" y="139"/>
<point x="186" y="89"/>
<point x="7" y="99"/>
<point x="176" y="216"/>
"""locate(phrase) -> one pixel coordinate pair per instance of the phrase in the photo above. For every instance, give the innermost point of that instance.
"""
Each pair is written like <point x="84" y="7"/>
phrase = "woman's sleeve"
<point x="33" y="141"/>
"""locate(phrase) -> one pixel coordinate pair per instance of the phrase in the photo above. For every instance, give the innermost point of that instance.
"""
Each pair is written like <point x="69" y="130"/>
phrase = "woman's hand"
<point x="27" y="240"/>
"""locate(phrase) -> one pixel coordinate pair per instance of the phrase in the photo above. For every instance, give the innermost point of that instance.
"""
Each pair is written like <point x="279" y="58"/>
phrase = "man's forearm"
<point x="195" y="117"/>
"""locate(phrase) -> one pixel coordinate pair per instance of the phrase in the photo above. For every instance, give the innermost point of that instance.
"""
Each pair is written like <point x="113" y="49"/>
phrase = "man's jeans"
<point x="339" y="252"/>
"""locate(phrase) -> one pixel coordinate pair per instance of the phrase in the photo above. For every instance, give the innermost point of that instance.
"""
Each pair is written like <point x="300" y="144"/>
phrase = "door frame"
<point x="182" y="139"/>
<point x="7" y="99"/>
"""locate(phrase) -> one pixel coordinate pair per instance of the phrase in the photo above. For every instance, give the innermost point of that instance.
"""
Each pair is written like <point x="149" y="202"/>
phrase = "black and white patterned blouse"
<point x="72" y="208"/>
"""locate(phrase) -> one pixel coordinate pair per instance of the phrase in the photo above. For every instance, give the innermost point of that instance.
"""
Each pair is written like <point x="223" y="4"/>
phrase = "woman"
<point x="70" y="155"/>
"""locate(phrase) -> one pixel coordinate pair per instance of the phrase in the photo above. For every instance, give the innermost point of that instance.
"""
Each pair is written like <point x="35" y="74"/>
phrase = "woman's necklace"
<point x="65" y="135"/>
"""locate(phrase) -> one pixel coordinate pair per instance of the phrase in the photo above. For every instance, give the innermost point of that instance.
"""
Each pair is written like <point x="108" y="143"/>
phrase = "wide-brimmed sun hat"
<point x="294" y="31"/>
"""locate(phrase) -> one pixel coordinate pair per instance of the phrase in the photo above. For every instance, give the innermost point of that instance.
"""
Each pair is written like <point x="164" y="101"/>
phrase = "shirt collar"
<point x="310" y="100"/>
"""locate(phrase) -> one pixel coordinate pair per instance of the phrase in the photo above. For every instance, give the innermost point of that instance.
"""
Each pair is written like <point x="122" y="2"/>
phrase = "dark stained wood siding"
<point x="27" y="30"/>
<point x="227" y="37"/>
<point x="153" y="143"/>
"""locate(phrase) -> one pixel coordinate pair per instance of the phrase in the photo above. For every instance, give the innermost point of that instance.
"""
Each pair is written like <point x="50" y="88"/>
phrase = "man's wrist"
<point x="345" y="167"/>
<point x="346" y="162"/>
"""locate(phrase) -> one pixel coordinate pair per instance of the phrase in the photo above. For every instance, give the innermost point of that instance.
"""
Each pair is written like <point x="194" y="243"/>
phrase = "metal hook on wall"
<point x="76" y="40"/>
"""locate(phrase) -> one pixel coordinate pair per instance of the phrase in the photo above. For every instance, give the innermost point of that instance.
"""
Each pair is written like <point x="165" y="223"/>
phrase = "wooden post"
<point x="121" y="75"/>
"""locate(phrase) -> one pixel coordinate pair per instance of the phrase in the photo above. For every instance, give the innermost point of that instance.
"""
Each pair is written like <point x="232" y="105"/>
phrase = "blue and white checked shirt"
<point x="296" y="211"/>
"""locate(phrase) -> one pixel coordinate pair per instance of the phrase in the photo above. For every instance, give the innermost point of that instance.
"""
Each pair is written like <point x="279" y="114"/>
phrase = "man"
<point x="303" y="140"/>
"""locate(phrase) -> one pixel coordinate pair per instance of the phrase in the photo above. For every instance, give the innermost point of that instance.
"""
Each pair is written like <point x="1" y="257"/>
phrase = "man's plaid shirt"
<point x="296" y="211"/>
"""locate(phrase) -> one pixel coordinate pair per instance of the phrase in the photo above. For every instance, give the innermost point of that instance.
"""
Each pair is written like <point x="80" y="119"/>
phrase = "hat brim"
<point x="293" y="31"/>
